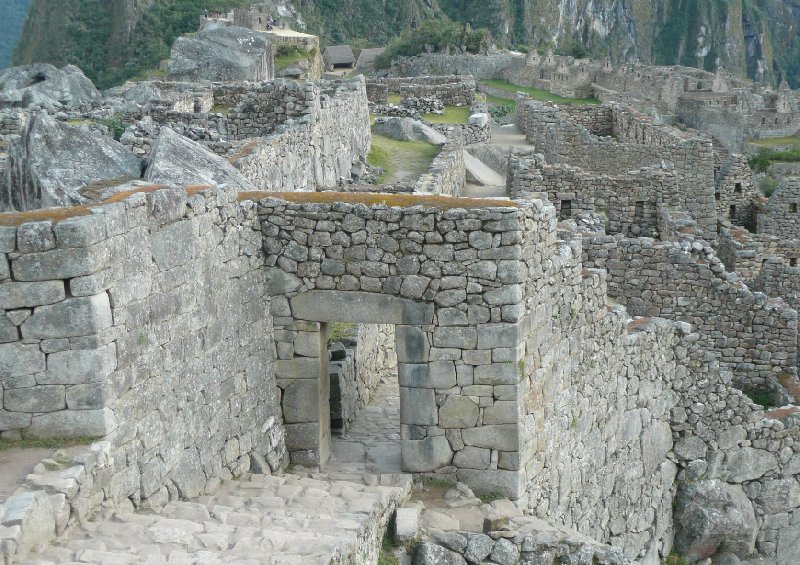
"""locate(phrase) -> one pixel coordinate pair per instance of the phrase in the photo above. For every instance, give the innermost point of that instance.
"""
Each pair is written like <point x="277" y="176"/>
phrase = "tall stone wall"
<point x="145" y="322"/>
<point x="781" y="215"/>
<point x="749" y="334"/>
<point x="318" y="150"/>
<point x="736" y="190"/>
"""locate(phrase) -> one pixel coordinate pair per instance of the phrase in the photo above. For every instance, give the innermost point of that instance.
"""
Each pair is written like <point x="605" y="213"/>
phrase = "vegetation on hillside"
<point x="762" y="161"/>
<point x="14" y="12"/>
<point x="436" y="35"/>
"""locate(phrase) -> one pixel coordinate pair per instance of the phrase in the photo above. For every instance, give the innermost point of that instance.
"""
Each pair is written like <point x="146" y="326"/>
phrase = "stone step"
<point x="278" y="520"/>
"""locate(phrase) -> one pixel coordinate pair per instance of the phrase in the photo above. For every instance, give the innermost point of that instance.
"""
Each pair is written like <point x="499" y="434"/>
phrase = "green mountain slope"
<point x="115" y="39"/>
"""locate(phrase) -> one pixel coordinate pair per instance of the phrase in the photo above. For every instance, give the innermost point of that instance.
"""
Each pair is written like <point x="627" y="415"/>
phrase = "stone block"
<point x="505" y="295"/>
<point x="455" y="337"/>
<point x="174" y="244"/>
<point x="436" y="374"/>
<point x="35" y="236"/>
<point x="17" y="359"/>
<point x="188" y="475"/>
<point x="418" y="406"/>
<point x="302" y="436"/>
<point x="473" y="458"/>
<point x="747" y="464"/>
<point x="8" y="239"/>
<point x="501" y="412"/>
<point x="496" y="374"/>
<point x="406" y="524"/>
<point x="79" y="366"/>
<point x="279" y="282"/>
<point x="32" y="512"/>
<point x="779" y="495"/>
<point x="360" y="307"/>
<point x="504" y="437"/>
<point x="508" y="483"/>
<point x="458" y="412"/>
<point x="72" y="317"/>
<point x="44" y="398"/>
<point x="411" y="344"/>
<point x="61" y="263"/>
<point x="8" y="330"/>
<point x="14" y="420"/>
<point x="90" y="396"/>
<point x="307" y="344"/>
<point x="301" y="402"/>
<point x="26" y="295"/>
<point x="426" y="455"/>
<point x="73" y="423"/>
<point x="428" y="553"/>
<point x="491" y="336"/>
<point x="80" y="231"/>
<point x="298" y="368"/>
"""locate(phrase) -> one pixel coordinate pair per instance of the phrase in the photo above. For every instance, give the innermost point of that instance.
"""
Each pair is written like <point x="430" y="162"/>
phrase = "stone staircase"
<point x="275" y="520"/>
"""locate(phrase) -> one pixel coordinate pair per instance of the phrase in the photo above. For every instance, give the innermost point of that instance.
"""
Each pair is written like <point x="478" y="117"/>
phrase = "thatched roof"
<point x="367" y="56"/>
<point x="339" y="55"/>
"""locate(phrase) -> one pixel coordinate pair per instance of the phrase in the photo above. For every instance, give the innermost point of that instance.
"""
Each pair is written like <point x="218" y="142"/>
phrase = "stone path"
<point x="276" y="520"/>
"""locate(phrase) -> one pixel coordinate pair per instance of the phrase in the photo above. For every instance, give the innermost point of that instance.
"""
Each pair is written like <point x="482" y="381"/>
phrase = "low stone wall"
<point x="447" y="174"/>
<point x="750" y="335"/>
<point x="452" y="90"/>
<point x="478" y="130"/>
<point x="744" y="252"/>
<point x="781" y="215"/>
<point x="377" y="92"/>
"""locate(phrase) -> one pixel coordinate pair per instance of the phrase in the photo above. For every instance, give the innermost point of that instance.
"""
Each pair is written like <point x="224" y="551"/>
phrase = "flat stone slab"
<point x="359" y="307"/>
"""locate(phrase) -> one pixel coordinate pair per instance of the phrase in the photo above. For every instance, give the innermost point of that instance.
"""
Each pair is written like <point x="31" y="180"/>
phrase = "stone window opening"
<point x="566" y="209"/>
<point x="732" y="212"/>
<point x="717" y="195"/>
<point x="793" y="262"/>
<point x="738" y="187"/>
<point x="639" y="211"/>
<point x="793" y="207"/>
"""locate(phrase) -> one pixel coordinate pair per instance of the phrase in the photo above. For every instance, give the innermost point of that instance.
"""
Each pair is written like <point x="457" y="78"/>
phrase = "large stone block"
<point x="14" y="420"/>
<point x="45" y="398"/>
<point x="426" y="455"/>
<point x="437" y="374"/>
<point x="301" y="402"/>
<point x="73" y="423"/>
<point x="411" y="344"/>
<point x="496" y="374"/>
<point x="747" y="464"/>
<point x="33" y="513"/>
<point x="503" y="437"/>
<point x="174" y="244"/>
<point x="418" y="406"/>
<point x="298" y="368"/>
<point x="473" y="458"/>
<point x="72" y="317"/>
<point x="27" y="295"/>
<point x="491" y="336"/>
<point x="79" y="366"/>
<point x="359" y="307"/>
<point x="188" y="475"/>
<point x="778" y="495"/>
<point x="61" y="263"/>
<point x="455" y="337"/>
<point x="302" y="436"/>
<point x="458" y="412"/>
<point x="17" y="359"/>
<point x="508" y="483"/>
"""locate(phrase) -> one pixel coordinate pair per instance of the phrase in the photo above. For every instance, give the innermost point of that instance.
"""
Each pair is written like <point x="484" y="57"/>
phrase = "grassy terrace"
<point x="452" y="115"/>
<point x="536" y="93"/>
<point x="401" y="160"/>
<point x="775" y="141"/>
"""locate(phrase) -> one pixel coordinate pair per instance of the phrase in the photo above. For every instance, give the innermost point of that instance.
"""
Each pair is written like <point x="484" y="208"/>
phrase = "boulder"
<point x="45" y="86"/>
<point x="431" y="554"/>
<point x="180" y="161"/>
<point x="713" y="517"/>
<point x="224" y="54"/>
<point x="406" y="129"/>
<point x="53" y="161"/>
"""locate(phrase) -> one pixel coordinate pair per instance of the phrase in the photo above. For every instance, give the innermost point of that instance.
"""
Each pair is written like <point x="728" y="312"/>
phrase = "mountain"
<point x="12" y="14"/>
<point x="115" y="39"/>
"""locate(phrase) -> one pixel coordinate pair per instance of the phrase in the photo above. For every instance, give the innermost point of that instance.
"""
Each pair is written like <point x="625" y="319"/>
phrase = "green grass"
<point x="491" y="497"/>
<point x="760" y="397"/>
<point x="394" y="99"/>
<point x="433" y="482"/>
<point x="288" y="55"/>
<point x="340" y="331"/>
<point x="49" y="443"/>
<point x="773" y="141"/>
<point x="762" y="161"/>
<point x="400" y="160"/>
<point x="675" y="559"/>
<point x="452" y="115"/>
<point x="536" y="93"/>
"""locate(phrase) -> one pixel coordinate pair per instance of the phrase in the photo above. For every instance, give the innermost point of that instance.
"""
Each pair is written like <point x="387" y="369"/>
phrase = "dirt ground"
<point x="15" y="464"/>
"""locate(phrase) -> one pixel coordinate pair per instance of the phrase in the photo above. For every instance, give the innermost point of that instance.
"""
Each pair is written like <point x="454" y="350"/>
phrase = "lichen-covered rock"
<point x="223" y="54"/>
<point x="179" y="160"/>
<point x="53" y="161"/>
<point x="713" y="517"/>
<point x="45" y="86"/>
<point x="430" y="554"/>
<point x="406" y="129"/>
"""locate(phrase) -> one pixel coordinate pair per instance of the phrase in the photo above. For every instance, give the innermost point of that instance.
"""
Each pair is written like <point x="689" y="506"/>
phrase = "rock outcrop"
<point x="180" y="161"/>
<point x="52" y="161"/>
<point x="406" y="129"/>
<point x="222" y="54"/>
<point x="45" y="86"/>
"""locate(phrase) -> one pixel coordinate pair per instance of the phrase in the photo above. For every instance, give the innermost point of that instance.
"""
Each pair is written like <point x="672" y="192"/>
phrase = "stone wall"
<point x="749" y="334"/>
<point x="447" y="173"/>
<point x="781" y="215"/>
<point x="145" y="322"/>
<point x="744" y="253"/>
<point x="736" y="190"/>
<point x="318" y="150"/>
<point x="377" y="92"/>
<point x="261" y="109"/>
<point x="451" y="90"/>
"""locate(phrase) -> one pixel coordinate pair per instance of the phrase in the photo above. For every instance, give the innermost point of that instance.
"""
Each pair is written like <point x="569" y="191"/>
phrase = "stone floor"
<point x="284" y="520"/>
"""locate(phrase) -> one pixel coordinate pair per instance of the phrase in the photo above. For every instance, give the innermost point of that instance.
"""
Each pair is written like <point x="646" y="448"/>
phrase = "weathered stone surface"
<point x="779" y="495"/>
<point x="479" y="546"/>
<point x="406" y="524"/>
<point x="53" y="161"/>
<point x="746" y="464"/>
<point x="418" y="406"/>
<point x="222" y="54"/>
<point x="46" y="398"/>
<point x="17" y="359"/>
<point x="473" y="458"/>
<point x="78" y="366"/>
<point x="177" y="160"/>
<point x="73" y="423"/>
<point x="503" y="437"/>
<point x="407" y="129"/>
<point x="429" y="454"/>
<point x="72" y="317"/>
<point x="22" y="294"/>
<point x="301" y="401"/>
<point x="60" y="263"/>
<point x="504" y="553"/>
<point x="508" y="483"/>
<point x="432" y="554"/>
<point x="188" y="475"/>
<point x="46" y="86"/>
<point x="711" y="517"/>
<point x="458" y="412"/>
<point x="31" y="511"/>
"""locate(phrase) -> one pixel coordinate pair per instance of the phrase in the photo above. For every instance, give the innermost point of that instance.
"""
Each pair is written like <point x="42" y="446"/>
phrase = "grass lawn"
<point x="537" y="94"/>
<point x="452" y="115"/>
<point x="773" y="141"/>
<point x="394" y="99"/>
<point x="290" y="55"/>
<point x="401" y="160"/>
<point x="50" y="443"/>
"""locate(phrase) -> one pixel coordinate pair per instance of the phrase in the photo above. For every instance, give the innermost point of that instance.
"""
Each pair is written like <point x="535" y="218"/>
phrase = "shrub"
<point x="498" y="112"/>
<point x="768" y="185"/>
<point x="438" y="35"/>
<point x="574" y="49"/>
<point x="762" y="161"/>
<point x="116" y="125"/>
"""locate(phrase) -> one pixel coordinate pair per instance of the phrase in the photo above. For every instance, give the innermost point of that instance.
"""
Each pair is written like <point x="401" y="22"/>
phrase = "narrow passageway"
<point x="505" y="137"/>
<point x="371" y="445"/>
